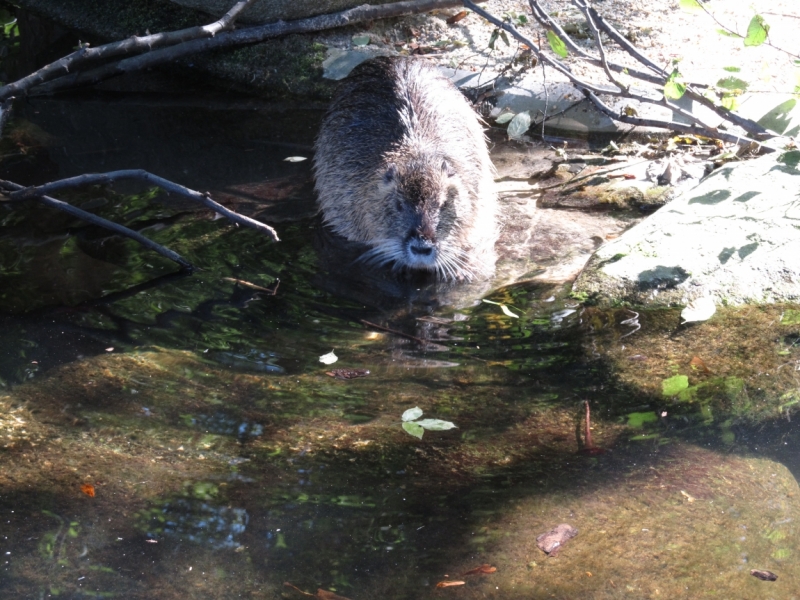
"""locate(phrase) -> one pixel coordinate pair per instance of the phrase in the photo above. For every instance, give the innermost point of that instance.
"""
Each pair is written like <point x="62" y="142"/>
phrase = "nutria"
<point x="402" y="166"/>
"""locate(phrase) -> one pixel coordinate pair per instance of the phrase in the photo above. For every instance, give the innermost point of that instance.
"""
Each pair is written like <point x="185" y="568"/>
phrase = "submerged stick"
<point x="166" y="185"/>
<point x="106" y="224"/>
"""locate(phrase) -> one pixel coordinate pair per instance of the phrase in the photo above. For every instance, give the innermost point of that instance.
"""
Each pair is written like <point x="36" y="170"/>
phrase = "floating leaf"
<point x="412" y="414"/>
<point x="482" y="570"/>
<point x="557" y="44"/>
<point x="674" y="385"/>
<point x="636" y="420"/>
<point x="329" y="358"/>
<point x="435" y="424"/>
<point x="347" y="373"/>
<point x="414" y="429"/>
<point x="507" y="311"/>
<point x="701" y="309"/>
<point x="519" y="125"/>
<point x="295" y="159"/>
<point x="763" y="575"/>
<point x="360" y="40"/>
<point x="445" y="584"/>
<point x="504" y="118"/>
<point x="88" y="489"/>
<point x="757" y="31"/>
<point x="732" y="69"/>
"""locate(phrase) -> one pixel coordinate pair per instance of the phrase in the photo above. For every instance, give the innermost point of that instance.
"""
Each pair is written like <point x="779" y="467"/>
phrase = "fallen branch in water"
<point x="18" y="193"/>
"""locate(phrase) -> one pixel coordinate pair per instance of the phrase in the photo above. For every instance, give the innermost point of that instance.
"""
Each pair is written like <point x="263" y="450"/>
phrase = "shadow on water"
<point x="166" y="436"/>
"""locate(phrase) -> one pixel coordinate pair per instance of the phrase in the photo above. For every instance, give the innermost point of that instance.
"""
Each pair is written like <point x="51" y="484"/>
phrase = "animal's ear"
<point x="447" y="169"/>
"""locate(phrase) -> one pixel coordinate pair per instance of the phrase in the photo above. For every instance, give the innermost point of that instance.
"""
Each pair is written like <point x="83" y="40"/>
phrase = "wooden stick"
<point x="106" y="224"/>
<point x="165" y="184"/>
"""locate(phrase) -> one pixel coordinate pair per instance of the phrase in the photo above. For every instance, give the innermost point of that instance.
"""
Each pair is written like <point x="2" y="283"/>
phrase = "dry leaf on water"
<point x="347" y="373"/>
<point x="88" y="489"/>
<point x="444" y="584"/>
<point x="482" y="570"/>
<point x="320" y="595"/>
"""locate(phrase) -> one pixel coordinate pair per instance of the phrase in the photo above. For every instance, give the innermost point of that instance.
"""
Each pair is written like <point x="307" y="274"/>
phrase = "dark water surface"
<point x="168" y="436"/>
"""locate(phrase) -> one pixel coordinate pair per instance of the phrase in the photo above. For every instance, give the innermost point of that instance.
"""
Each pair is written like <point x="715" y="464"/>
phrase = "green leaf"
<point x="790" y="158"/>
<point x="412" y="414"/>
<point x="504" y="118"/>
<point x="504" y="37"/>
<point x="434" y="425"/>
<point x="733" y="83"/>
<point x="557" y="44"/>
<point x="727" y="33"/>
<point x="730" y="102"/>
<point x="637" y="420"/>
<point x="674" y="90"/>
<point x="414" y="429"/>
<point x="519" y="125"/>
<point x="757" y="31"/>
<point x="690" y="6"/>
<point x="493" y="38"/>
<point x="360" y="40"/>
<point x="732" y="69"/>
<point x="674" y="385"/>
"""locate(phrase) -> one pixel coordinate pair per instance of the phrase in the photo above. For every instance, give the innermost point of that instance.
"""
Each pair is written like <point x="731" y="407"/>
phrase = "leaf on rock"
<point x="557" y="45"/>
<point x="519" y="125"/>
<point x="412" y="414"/>
<point x="699" y="364"/>
<point x="414" y="429"/>
<point x="757" y="31"/>
<point x="701" y="309"/>
<point x="435" y="425"/>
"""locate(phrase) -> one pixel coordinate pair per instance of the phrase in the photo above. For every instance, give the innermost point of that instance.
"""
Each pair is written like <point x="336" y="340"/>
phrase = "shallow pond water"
<point x="168" y="436"/>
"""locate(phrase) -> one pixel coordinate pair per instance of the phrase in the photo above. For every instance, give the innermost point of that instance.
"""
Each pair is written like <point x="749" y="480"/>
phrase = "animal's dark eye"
<point x="447" y="169"/>
<point x="388" y="176"/>
<point x="398" y="205"/>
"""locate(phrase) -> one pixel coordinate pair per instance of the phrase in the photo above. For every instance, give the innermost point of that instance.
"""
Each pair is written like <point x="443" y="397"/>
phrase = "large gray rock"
<point x="266" y="11"/>
<point x="735" y="237"/>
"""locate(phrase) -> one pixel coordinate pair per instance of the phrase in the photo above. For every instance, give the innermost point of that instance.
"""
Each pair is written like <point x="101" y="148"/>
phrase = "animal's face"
<point x="423" y="200"/>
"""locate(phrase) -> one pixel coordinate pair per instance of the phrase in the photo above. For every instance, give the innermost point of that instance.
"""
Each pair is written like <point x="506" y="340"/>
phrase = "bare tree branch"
<point x="142" y="175"/>
<point x="748" y="125"/>
<point x="591" y="91"/>
<point x="132" y="45"/>
<point x="104" y="223"/>
<point x="189" y="42"/>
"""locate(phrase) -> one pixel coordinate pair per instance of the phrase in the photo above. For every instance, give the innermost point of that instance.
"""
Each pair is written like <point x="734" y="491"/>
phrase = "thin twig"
<point x="140" y="174"/>
<point x="105" y="223"/>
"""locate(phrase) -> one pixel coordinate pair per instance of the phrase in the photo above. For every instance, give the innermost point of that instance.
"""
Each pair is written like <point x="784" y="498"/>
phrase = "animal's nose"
<point x="421" y="250"/>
